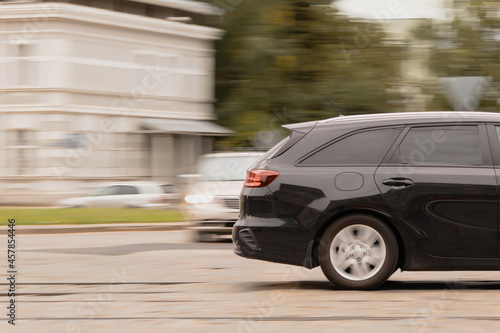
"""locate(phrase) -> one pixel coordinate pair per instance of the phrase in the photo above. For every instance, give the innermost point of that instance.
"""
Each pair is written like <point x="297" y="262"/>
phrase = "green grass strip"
<point x="55" y="216"/>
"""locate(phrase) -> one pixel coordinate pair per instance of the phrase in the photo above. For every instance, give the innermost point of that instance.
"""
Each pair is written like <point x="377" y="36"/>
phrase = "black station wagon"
<point x="362" y="196"/>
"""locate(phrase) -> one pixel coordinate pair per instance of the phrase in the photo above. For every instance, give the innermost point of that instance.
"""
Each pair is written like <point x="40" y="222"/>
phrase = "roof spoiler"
<point x="304" y="127"/>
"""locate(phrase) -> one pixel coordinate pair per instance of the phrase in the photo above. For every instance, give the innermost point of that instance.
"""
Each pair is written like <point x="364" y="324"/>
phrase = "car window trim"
<point x="484" y="146"/>
<point x="494" y="142"/>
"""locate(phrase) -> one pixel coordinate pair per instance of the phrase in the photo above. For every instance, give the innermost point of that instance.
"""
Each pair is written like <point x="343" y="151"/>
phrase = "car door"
<point x="439" y="181"/>
<point x="494" y="139"/>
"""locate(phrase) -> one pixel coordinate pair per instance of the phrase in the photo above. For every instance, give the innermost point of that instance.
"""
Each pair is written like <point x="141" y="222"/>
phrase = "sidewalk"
<point x="81" y="228"/>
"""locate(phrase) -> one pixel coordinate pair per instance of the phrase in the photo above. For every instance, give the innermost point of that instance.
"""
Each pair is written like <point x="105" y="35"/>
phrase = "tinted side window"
<point x="361" y="148"/>
<point x="458" y="145"/>
<point x="127" y="190"/>
<point x="497" y="128"/>
<point x="112" y="190"/>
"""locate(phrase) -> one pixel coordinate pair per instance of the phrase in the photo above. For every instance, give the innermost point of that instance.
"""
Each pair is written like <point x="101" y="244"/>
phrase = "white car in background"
<point x="127" y="195"/>
<point x="212" y="196"/>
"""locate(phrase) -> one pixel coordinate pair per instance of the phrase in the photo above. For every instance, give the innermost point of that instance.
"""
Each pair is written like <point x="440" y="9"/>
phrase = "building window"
<point x="72" y="140"/>
<point x="26" y="68"/>
<point x="21" y="151"/>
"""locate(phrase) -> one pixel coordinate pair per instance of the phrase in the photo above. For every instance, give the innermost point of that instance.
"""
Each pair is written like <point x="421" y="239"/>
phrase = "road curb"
<point x="114" y="227"/>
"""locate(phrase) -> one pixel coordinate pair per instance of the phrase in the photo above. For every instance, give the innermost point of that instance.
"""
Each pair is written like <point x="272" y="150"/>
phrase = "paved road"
<point x="159" y="282"/>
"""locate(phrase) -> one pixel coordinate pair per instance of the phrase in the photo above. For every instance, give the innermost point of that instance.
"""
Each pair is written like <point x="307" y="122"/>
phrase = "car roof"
<point x="401" y="118"/>
<point x="424" y="116"/>
<point x="235" y="154"/>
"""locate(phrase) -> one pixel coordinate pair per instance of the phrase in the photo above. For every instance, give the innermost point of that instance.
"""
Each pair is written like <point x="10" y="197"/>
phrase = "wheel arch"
<point x="382" y="216"/>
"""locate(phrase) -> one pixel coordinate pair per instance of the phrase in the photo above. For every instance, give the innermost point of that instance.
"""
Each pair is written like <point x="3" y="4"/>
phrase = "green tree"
<point x="468" y="45"/>
<point x="281" y="59"/>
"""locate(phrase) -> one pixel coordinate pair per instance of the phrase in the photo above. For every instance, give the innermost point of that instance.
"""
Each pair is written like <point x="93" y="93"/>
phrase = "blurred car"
<point x="127" y="195"/>
<point x="212" y="197"/>
<point x="361" y="196"/>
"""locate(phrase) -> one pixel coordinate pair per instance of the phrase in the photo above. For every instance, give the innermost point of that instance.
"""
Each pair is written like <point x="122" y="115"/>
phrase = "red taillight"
<point x="260" y="178"/>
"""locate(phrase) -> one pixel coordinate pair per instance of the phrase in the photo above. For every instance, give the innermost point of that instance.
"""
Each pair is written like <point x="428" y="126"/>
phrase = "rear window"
<point x="127" y="190"/>
<point x="367" y="147"/>
<point x="116" y="190"/>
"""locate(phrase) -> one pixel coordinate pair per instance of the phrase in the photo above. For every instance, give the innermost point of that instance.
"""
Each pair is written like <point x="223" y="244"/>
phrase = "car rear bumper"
<point x="271" y="240"/>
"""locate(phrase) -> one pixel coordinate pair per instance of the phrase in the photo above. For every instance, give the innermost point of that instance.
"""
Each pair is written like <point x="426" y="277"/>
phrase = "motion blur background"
<point x="95" y="91"/>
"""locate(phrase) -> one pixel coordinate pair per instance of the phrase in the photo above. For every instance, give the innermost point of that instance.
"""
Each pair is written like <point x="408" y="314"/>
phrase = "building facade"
<point x="102" y="91"/>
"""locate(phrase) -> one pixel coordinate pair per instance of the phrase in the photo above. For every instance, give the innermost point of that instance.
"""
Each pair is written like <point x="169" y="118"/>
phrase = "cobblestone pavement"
<point x="159" y="282"/>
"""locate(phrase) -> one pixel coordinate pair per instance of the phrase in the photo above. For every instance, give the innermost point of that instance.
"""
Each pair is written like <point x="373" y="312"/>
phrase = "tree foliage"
<point x="281" y="59"/>
<point x="468" y="45"/>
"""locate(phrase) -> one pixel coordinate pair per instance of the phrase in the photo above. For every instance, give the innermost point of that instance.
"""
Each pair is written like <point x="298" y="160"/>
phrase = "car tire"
<point x="358" y="252"/>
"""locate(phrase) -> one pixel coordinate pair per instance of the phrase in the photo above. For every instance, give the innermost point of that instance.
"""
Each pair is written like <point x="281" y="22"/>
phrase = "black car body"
<point x="426" y="183"/>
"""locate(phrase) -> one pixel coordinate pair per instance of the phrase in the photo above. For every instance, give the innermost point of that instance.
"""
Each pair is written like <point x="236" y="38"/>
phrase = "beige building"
<point x="98" y="91"/>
